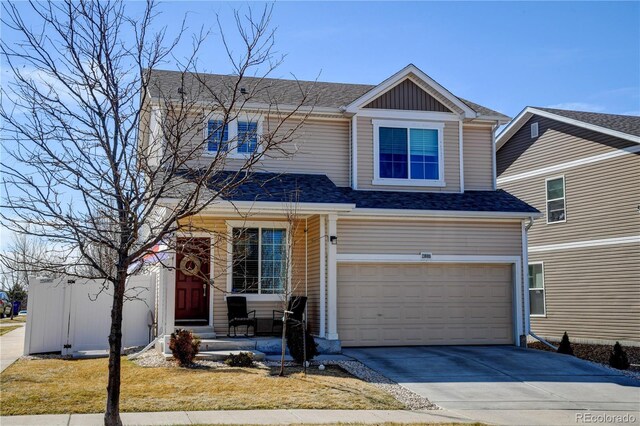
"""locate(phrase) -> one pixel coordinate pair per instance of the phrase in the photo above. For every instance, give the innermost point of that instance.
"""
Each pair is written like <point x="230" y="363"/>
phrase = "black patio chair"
<point x="238" y="315"/>
<point x="296" y="307"/>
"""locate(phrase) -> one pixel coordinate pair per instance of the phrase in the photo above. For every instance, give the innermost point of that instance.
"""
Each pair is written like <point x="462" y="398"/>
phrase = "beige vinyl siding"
<point x="601" y="201"/>
<point x="591" y="293"/>
<point x="264" y="309"/>
<point x="320" y="146"/>
<point x="389" y="236"/>
<point x="557" y="143"/>
<point x="451" y="146"/>
<point x="478" y="158"/>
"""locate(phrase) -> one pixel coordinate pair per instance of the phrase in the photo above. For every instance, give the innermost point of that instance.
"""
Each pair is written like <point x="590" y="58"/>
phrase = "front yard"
<point x="52" y="386"/>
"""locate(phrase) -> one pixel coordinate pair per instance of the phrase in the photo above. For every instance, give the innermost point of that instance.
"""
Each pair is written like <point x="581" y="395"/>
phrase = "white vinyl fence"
<point x="73" y="317"/>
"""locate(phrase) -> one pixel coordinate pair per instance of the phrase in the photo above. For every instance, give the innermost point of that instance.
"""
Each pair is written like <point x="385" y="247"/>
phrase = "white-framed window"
<point x="408" y="153"/>
<point x="239" y="137"/>
<point x="556" y="200"/>
<point x="537" y="306"/>
<point x="257" y="266"/>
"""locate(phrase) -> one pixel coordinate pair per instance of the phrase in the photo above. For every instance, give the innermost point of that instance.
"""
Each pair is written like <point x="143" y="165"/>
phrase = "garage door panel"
<point x="426" y="304"/>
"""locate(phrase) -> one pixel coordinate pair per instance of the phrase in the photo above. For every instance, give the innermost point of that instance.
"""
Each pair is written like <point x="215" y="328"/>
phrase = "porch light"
<point x="333" y="239"/>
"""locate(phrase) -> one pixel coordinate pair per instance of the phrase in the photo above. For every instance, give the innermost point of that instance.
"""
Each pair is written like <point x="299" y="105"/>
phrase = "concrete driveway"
<point x="509" y="385"/>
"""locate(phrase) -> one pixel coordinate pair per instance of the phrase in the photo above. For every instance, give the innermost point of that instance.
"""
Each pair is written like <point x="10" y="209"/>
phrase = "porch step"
<point x="203" y="332"/>
<point x="227" y="344"/>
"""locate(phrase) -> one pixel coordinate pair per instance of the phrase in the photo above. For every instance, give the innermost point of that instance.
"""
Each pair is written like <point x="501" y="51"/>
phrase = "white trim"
<point x="525" y="276"/>
<point x="401" y="124"/>
<point x="258" y="297"/>
<point x="534" y="130"/>
<point x="408" y="115"/>
<point x="255" y="207"/>
<point x="332" y="279"/>
<point x="571" y="164"/>
<point x="354" y="152"/>
<point x="323" y="278"/>
<point x="461" y="153"/>
<point x="528" y="112"/>
<point x="494" y="172"/>
<point x="547" y="200"/>
<point x="400" y="76"/>
<point x="516" y="261"/>
<point x="585" y="244"/>
<point x="544" y="292"/>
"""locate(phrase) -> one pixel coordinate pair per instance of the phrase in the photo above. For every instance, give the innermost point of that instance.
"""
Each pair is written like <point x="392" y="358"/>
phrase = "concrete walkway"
<point x="11" y="347"/>
<point x="242" y="417"/>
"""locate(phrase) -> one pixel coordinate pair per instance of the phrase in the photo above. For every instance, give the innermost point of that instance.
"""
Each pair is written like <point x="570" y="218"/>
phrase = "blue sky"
<point x="505" y="55"/>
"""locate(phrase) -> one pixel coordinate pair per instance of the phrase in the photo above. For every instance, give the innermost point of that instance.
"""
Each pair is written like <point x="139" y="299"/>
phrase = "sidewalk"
<point x="11" y="347"/>
<point x="244" y="417"/>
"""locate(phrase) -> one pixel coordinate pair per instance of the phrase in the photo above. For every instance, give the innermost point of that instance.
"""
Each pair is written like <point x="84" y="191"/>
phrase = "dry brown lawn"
<point x="51" y="386"/>
<point x="16" y="319"/>
<point x="7" y="328"/>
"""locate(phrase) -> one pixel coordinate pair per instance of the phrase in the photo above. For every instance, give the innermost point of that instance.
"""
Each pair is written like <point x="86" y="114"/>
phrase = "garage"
<point x="393" y="304"/>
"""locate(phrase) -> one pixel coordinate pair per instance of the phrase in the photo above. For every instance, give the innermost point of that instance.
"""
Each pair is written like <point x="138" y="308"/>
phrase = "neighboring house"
<point x="405" y="239"/>
<point x="582" y="170"/>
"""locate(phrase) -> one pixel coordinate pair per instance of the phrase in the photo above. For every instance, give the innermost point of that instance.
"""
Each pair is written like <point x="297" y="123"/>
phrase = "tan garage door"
<point x="425" y="304"/>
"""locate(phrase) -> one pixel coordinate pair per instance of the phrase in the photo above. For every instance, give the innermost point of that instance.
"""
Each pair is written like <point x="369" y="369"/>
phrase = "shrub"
<point x="242" y="359"/>
<point x="184" y="346"/>
<point x="296" y="345"/>
<point x="618" y="358"/>
<point x="565" y="345"/>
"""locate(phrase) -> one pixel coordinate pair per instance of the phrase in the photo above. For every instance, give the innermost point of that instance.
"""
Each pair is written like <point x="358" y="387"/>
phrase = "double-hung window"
<point x="408" y="153"/>
<point x="556" y="208"/>
<point x="237" y="137"/>
<point x="259" y="260"/>
<point x="536" y="289"/>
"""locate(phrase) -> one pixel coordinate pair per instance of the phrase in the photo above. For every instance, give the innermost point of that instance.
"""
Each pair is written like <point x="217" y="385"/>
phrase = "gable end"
<point x="407" y="96"/>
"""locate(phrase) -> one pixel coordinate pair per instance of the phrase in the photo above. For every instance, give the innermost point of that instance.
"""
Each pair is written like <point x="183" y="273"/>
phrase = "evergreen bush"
<point x="296" y="345"/>
<point x="618" y="358"/>
<point x="565" y="345"/>
<point x="184" y="346"/>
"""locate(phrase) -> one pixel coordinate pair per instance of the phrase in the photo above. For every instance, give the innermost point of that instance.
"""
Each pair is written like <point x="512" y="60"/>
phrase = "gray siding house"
<point x="582" y="170"/>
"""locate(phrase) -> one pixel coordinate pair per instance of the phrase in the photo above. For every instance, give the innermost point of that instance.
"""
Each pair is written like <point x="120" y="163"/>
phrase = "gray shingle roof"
<point x="270" y="90"/>
<point x="306" y="188"/>
<point x="622" y="123"/>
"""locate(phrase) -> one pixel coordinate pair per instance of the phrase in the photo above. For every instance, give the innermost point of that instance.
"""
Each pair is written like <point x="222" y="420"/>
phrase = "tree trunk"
<point x="284" y="342"/>
<point x="112" y="412"/>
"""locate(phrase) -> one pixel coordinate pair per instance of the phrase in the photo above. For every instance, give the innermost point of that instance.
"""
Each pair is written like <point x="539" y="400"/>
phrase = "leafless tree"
<point x="102" y="156"/>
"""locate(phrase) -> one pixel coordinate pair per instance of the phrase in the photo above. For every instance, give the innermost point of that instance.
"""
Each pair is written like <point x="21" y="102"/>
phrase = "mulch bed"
<point x="595" y="353"/>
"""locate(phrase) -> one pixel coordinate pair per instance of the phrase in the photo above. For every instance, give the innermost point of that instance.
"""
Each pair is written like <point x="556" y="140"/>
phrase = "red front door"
<point x="192" y="275"/>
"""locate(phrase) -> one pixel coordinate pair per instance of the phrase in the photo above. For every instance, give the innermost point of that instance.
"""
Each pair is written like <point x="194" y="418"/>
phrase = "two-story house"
<point x="582" y="170"/>
<point x="404" y="238"/>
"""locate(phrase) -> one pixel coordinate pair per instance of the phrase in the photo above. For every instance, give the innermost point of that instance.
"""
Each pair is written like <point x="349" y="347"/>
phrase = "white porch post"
<point x="332" y="278"/>
<point x="170" y="297"/>
<point x="323" y="279"/>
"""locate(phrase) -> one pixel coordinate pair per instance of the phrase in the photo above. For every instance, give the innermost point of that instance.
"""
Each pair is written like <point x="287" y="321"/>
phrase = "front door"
<point x="192" y="277"/>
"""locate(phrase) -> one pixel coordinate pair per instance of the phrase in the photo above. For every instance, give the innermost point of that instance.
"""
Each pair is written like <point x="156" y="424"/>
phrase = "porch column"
<point x="170" y="297"/>
<point x="332" y="277"/>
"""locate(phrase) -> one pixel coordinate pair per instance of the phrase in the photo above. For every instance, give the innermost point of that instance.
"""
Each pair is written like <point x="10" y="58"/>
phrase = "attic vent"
<point x="534" y="130"/>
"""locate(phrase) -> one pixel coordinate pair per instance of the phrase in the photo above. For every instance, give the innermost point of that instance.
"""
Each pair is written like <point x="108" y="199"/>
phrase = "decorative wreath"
<point x="190" y="265"/>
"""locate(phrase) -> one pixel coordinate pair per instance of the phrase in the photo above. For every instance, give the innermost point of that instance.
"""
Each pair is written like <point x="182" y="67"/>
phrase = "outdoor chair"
<point x="238" y="315"/>
<point x="296" y="307"/>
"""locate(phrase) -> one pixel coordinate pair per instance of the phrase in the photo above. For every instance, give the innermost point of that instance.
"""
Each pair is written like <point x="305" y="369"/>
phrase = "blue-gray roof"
<point x="308" y="188"/>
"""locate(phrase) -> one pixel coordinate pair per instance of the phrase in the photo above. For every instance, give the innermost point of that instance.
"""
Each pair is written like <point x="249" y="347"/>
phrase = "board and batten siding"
<point x="318" y="147"/>
<point x="264" y="309"/>
<point x="478" y="158"/>
<point x="407" y="96"/>
<point x="451" y="146"/>
<point x="591" y="293"/>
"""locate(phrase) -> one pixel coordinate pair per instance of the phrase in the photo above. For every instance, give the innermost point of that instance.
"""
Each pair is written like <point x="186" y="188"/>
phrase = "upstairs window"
<point x="217" y="136"/>
<point x="247" y="136"/>
<point x="238" y="137"/>
<point x="408" y="153"/>
<point x="556" y="208"/>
